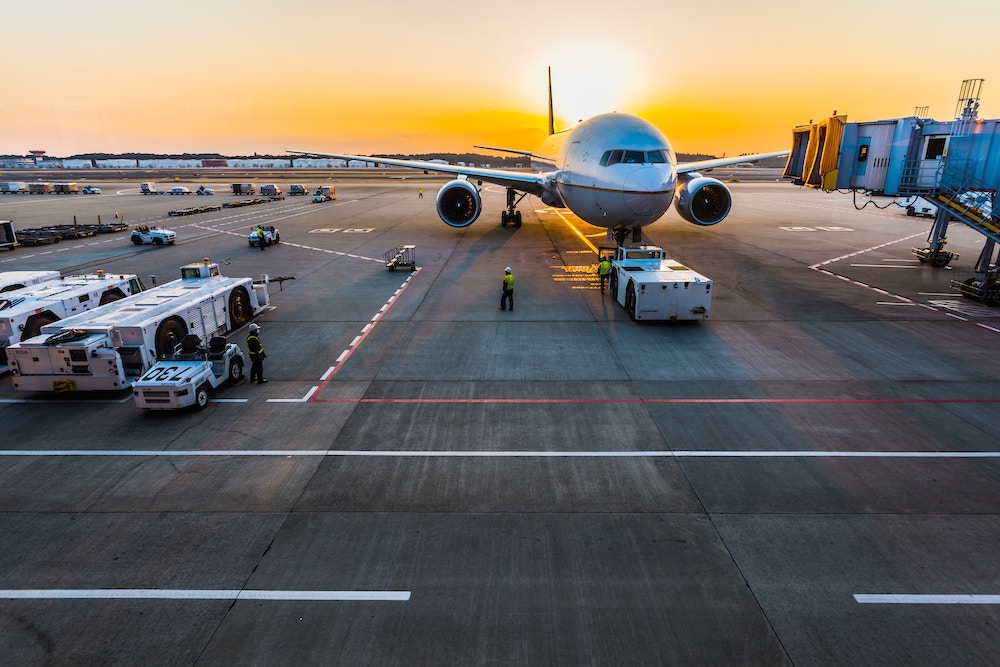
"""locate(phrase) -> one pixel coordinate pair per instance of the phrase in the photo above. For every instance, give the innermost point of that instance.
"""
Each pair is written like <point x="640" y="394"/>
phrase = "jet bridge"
<point x="953" y="164"/>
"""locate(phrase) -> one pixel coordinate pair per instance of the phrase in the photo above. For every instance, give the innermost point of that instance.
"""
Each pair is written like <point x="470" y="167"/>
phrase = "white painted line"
<point x="207" y="594"/>
<point x="718" y="454"/>
<point x="885" y="266"/>
<point x="330" y="369"/>
<point x="341" y="357"/>
<point x="865" y="598"/>
<point x="355" y="341"/>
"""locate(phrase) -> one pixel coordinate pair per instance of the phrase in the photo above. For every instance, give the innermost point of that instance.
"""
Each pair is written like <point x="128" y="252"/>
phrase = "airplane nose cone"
<point x="648" y="192"/>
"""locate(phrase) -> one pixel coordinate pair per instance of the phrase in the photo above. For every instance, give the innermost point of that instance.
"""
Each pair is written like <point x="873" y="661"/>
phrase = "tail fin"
<point x="552" y="120"/>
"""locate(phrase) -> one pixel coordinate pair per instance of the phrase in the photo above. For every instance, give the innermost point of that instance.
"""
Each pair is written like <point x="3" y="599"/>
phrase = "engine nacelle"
<point x="459" y="203"/>
<point x="702" y="200"/>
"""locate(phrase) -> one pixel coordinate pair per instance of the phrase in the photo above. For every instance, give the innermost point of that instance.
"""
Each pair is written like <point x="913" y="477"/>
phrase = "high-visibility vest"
<point x="254" y="346"/>
<point x="604" y="268"/>
<point x="508" y="281"/>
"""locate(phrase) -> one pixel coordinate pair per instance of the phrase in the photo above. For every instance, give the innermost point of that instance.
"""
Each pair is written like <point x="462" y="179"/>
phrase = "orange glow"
<point x="384" y="76"/>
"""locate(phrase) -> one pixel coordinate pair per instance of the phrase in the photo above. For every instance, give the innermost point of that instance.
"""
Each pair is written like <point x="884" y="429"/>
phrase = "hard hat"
<point x="254" y="327"/>
<point x="507" y="270"/>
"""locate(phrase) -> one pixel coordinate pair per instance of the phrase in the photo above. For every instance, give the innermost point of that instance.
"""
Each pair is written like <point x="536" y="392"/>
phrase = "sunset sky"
<point x="372" y="76"/>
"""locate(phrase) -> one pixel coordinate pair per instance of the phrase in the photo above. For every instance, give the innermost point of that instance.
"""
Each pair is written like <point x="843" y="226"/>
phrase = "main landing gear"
<point x="620" y="233"/>
<point x="512" y="216"/>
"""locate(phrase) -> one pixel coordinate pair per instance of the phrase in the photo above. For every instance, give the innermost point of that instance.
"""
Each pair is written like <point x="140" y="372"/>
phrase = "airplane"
<point x="613" y="170"/>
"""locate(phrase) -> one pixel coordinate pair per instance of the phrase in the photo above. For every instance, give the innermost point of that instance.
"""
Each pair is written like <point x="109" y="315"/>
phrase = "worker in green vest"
<point x="256" y="350"/>
<point x="603" y="271"/>
<point x="507" y="296"/>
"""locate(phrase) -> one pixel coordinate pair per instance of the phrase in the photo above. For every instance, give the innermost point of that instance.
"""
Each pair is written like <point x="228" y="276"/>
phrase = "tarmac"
<point x="809" y="477"/>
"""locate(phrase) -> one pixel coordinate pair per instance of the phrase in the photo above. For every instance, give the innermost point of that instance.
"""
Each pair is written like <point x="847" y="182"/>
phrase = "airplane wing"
<point x="531" y="183"/>
<point x="701" y="165"/>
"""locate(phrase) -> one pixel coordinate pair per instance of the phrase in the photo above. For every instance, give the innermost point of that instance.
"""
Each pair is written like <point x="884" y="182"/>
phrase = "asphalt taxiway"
<point x="810" y="477"/>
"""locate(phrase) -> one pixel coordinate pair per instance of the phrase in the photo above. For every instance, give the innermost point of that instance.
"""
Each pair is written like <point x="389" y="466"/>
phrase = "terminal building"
<point x="953" y="167"/>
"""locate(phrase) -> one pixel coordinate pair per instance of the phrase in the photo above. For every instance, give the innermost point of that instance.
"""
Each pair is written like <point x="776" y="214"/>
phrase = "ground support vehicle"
<point x="112" y="346"/>
<point x="149" y="189"/>
<point x="404" y="255"/>
<point x="271" y="236"/>
<point x="12" y="280"/>
<point x="191" y="210"/>
<point x="243" y="188"/>
<point x="39" y="188"/>
<point x="297" y="189"/>
<point x="143" y="234"/>
<point x="187" y="376"/>
<point x="651" y="287"/>
<point x="202" y="190"/>
<point x="35" y="237"/>
<point x="13" y="187"/>
<point x="178" y="190"/>
<point x="65" y="188"/>
<point x="23" y="312"/>
<point x="91" y="190"/>
<point x="8" y="238"/>
<point x="324" y="193"/>
<point x="270" y="190"/>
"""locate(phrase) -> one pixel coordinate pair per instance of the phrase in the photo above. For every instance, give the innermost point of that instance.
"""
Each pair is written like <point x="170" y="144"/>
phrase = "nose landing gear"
<point x="512" y="216"/>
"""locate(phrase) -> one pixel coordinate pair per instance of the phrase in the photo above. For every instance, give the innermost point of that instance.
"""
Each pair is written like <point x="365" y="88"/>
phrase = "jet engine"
<point x="459" y="203"/>
<point x="701" y="200"/>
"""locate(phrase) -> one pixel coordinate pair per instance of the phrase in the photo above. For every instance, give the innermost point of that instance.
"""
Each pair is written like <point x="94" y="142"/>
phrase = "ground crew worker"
<point x="260" y="236"/>
<point x="603" y="271"/>
<point x="420" y="193"/>
<point x="507" y="296"/>
<point x="256" y="350"/>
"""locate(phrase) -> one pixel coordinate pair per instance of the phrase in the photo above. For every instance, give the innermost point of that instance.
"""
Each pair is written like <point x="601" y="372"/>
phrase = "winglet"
<point x="552" y="120"/>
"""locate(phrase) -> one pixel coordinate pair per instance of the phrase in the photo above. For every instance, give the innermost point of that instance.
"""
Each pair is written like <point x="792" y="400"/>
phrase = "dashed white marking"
<point x="875" y="598"/>
<point x="196" y="594"/>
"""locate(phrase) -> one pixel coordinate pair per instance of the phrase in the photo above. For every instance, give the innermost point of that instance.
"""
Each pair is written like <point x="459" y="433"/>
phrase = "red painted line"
<point x="738" y="401"/>
<point x="361" y="338"/>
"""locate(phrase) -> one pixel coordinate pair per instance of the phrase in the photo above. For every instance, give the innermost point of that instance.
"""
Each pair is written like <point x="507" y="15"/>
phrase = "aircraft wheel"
<point x="201" y="397"/>
<point x="517" y="218"/>
<point x="504" y="219"/>
<point x="630" y="300"/>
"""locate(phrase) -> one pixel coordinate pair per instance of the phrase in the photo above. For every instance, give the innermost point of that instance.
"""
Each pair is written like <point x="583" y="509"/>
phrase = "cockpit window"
<point x="633" y="157"/>
<point x="611" y="157"/>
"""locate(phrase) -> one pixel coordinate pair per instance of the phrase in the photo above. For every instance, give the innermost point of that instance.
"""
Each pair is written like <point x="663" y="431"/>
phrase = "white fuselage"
<point x="610" y="170"/>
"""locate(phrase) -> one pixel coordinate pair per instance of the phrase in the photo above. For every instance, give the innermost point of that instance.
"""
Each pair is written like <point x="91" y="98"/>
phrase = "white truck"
<point x="187" y="376"/>
<point x="11" y="280"/>
<point x="651" y="287"/>
<point x="8" y="237"/>
<point x="13" y="187"/>
<point x="112" y="346"/>
<point x="23" y="312"/>
<point x="324" y="193"/>
<point x="144" y="234"/>
<point x="271" y="236"/>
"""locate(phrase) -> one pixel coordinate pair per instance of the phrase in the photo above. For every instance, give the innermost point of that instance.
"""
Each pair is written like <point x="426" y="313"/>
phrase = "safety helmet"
<point x="507" y="270"/>
<point x="254" y="327"/>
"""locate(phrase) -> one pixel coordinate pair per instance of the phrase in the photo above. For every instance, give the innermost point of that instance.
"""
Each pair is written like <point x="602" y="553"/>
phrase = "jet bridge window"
<point x="935" y="148"/>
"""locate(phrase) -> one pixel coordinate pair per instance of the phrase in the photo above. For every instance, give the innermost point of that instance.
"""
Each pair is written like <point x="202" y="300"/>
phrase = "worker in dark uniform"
<point x="256" y="350"/>
<point x="603" y="271"/>
<point x="507" y="296"/>
<point x="260" y="237"/>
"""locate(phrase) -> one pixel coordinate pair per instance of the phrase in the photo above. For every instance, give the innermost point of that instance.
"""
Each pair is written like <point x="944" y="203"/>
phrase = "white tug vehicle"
<point x="186" y="377"/>
<point x="651" y="287"/>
